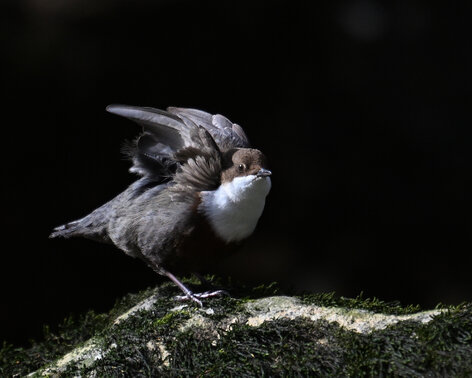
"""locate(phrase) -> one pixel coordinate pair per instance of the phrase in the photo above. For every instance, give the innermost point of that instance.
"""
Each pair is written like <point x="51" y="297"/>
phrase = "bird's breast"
<point x="234" y="209"/>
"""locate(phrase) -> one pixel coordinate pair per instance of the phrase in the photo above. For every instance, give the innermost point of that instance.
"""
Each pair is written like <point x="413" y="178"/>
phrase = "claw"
<point x="211" y="294"/>
<point x="189" y="297"/>
<point x="188" y="294"/>
<point x="197" y="296"/>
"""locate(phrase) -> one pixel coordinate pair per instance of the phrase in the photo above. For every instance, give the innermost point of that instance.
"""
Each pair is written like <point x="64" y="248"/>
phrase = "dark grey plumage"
<point x="180" y="153"/>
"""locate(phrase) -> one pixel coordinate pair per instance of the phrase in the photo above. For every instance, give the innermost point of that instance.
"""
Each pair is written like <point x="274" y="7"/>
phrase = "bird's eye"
<point x="242" y="167"/>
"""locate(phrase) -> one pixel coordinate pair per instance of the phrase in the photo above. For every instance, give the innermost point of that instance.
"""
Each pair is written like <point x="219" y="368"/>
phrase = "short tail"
<point x="93" y="226"/>
<point x="66" y="230"/>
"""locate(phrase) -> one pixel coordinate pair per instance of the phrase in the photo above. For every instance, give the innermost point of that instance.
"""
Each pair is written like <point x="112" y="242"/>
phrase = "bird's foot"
<point x="189" y="295"/>
<point x="197" y="296"/>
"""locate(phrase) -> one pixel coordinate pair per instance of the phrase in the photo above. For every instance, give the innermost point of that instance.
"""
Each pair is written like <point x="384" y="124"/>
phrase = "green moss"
<point x="154" y="343"/>
<point x="370" y="304"/>
<point x="442" y="347"/>
<point x="131" y="345"/>
<point x="165" y="320"/>
<point x="73" y="331"/>
<point x="275" y="348"/>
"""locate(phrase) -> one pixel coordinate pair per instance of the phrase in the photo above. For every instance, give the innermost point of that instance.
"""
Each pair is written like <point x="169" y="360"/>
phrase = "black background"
<point x="362" y="107"/>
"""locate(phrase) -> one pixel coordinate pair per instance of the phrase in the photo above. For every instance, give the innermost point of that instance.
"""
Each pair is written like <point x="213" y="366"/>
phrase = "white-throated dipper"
<point x="201" y="192"/>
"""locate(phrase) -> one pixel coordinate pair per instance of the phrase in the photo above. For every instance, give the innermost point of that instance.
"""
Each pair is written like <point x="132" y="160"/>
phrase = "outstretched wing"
<point x="186" y="141"/>
<point x="173" y="127"/>
<point x="227" y="135"/>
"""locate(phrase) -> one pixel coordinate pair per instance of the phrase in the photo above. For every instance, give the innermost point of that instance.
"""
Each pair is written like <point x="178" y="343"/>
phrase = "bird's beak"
<point x="263" y="173"/>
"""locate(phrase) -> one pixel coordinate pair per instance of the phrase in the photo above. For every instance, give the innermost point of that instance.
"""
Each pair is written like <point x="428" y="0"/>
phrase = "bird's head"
<point x="242" y="162"/>
<point x="245" y="168"/>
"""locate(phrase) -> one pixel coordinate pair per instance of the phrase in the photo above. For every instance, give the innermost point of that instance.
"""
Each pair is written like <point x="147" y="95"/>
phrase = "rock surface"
<point x="270" y="335"/>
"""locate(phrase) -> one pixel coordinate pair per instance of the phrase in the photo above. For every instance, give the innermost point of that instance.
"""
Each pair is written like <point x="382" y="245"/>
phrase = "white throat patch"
<point x="235" y="207"/>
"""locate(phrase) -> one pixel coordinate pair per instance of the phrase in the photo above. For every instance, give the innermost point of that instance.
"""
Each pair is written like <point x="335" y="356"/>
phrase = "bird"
<point x="200" y="192"/>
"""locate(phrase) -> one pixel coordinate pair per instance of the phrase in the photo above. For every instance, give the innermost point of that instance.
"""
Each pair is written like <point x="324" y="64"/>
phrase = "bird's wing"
<point x="175" y="144"/>
<point x="227" y="134"/>
<point x="172" y="128"/>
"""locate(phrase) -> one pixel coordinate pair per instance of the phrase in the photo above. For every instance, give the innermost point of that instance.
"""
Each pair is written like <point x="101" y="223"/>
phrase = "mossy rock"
<point x="259" y="333"/>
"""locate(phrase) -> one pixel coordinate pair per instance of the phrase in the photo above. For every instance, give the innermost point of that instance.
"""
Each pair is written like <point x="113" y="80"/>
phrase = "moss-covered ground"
<point x="154" y="343"/>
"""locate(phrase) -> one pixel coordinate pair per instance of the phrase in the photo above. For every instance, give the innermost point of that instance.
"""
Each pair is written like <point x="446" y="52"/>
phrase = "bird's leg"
<point x="194" y="296"/>
<point x="188" y="293"/>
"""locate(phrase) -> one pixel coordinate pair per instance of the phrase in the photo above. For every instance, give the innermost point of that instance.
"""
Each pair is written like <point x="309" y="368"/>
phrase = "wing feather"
<point x="227" y="135"/>
<point x="185" y="144"/>
<point x="166" y="127"/>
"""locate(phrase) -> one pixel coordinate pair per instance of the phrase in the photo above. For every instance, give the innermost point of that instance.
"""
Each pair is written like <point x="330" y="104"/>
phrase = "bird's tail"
<point x="67" y="230"/>
<point x="93" y="226"/>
